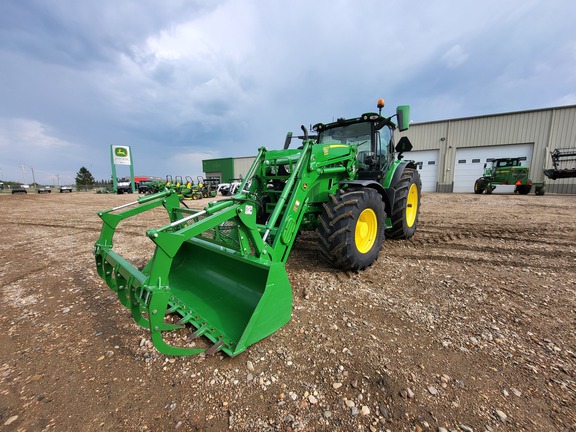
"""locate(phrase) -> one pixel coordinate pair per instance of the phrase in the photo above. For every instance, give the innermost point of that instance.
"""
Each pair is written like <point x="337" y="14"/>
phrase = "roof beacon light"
<point x="380" y="105"/>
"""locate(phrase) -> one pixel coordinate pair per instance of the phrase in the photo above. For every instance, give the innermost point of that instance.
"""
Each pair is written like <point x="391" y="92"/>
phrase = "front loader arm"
<point x="112" y="218"/>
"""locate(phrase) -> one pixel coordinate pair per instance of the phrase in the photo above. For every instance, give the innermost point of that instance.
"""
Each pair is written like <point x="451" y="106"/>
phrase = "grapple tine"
<point x="124" y="295"/>
<point x="136" y="309"/>
<point x="183" y="320"/>
<point x="123" y="290"/>
<point x="197" y="333"/>
<point x="171" y="310"/>
<point x="157" y="308"/>
<point x="214" y="348"/>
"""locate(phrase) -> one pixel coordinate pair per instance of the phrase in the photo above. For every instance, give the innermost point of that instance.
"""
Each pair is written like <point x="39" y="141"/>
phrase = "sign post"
<point x="121" y="155"/>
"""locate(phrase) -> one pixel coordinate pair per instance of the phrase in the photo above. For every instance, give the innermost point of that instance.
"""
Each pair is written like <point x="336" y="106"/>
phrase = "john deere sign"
<point x="121" y="155"/>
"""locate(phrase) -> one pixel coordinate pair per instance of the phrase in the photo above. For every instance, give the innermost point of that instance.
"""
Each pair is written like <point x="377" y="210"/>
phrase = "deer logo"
<point x="121" y="152"/>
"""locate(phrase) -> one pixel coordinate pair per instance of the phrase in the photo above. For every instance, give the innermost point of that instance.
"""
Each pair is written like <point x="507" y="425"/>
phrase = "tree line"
<point x="85" y="181"/>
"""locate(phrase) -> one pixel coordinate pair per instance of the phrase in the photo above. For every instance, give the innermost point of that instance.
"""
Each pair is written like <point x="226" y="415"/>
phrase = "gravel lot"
<point x="469" y="326"/>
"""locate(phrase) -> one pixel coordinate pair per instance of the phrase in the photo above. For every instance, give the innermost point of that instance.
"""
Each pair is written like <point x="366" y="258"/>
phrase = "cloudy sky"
<point x="184" y="80"/>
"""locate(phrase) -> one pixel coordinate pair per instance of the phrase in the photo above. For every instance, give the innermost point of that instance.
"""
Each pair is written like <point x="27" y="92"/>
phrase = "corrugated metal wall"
<point x="224" y="166"/>
<point x="547" y="129"/>
<point x="242" y="165"/>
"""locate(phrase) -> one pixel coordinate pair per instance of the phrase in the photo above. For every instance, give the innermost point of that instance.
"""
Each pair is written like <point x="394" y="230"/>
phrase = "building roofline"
<point x="495" y="115"/>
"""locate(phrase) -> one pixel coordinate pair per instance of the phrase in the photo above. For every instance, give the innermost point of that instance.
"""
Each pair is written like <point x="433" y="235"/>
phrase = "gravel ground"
<point x="468" y="326"/>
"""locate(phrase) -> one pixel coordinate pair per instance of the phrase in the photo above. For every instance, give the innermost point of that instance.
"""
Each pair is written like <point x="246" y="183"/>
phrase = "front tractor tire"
<point x="479" y="186"/>
<point x="406" y="206"/>
<point x="352" y="227"/>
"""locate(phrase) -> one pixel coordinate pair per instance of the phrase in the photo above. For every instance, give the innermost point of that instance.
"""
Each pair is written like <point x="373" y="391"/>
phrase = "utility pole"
<point x="33" y="177"/>
<point x="22" y="167"/>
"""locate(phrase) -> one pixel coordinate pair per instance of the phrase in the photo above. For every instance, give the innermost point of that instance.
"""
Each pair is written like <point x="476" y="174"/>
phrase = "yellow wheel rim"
<point x="366" y="229"/>
<point x="411" y="205"/>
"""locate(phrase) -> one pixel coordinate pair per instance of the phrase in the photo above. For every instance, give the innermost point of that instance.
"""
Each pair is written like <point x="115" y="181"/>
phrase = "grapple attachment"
<point x="564" y="164"/>
<point x="211" y="268"/>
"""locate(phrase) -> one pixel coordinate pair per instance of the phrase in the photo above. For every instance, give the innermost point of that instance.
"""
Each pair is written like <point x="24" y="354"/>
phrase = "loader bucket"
<point x="229" y="298"/>
<point x="234" y="296"/>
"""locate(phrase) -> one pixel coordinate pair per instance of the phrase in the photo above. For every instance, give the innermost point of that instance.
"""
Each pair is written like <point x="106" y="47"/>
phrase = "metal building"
<point x="451" y="153"/>
<point x="227" y="169"/>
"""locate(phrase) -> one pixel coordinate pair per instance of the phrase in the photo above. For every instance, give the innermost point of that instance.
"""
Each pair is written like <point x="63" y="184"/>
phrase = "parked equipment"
<point x="190" y="190"/>
<point x="222" y="271"/>
<point x="149" y="185"/>
<point x="229" y="188"/>
<point x="124" y="185"/>
<point x="564" y="163"/>
<point x="507" y="171"/>
<point x="208" y="186"/>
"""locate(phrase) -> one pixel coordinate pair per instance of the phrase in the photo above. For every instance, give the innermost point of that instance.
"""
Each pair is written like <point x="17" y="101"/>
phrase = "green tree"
<point x="84" y="179"/>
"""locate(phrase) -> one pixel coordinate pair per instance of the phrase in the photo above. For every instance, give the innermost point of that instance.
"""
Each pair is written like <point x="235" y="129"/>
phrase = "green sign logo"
<point x="120" y="152"/>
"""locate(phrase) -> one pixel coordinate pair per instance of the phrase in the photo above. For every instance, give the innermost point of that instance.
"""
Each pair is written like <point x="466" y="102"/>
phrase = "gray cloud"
<point x="180" y="81"/>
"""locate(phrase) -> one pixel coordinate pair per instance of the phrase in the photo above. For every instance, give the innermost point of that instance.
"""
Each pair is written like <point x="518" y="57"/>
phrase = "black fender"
<point x="387" y="194"/>
<point x="400" y="170"/>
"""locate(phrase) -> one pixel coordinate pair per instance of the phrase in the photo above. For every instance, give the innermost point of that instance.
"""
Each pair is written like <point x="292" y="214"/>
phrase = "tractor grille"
<point x="519" y="174"/>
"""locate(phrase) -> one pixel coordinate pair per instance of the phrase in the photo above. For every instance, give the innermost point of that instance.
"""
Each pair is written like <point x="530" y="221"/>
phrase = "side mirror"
<point x="288" y="140"/>
<point x="403" y="115"/>
<point x="403" y="145"/>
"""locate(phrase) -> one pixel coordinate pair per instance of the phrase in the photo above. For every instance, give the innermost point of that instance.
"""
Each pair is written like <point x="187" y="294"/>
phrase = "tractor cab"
<point x="372" y="136"/>
<point x="360" y="134"/>
<point x="496" y="166"/>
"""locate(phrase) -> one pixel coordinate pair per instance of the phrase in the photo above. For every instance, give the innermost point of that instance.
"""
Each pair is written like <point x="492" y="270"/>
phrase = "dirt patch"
<point x="467" y="326"/>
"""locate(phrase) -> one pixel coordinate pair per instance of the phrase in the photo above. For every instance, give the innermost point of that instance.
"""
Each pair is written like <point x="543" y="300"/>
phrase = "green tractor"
<point x="507" y="171"/>
<point x="221" y="271"/>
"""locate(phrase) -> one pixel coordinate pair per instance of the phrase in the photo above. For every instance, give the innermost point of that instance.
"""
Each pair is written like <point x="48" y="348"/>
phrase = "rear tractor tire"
<point x="352" y="227"/>
<point x="523" y="189"/>
<point x="406" y="206"/>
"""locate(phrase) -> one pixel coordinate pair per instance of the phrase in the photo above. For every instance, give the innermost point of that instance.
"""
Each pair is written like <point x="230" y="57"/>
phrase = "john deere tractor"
<point x="507" y="171"/>
<point x="221" y="271"/>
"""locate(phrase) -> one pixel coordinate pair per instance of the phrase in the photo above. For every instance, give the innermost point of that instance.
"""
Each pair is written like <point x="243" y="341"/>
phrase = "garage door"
<point x="469" y="164"/>
<point x="427" y="162"/>
<point x="215" y="174"/>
